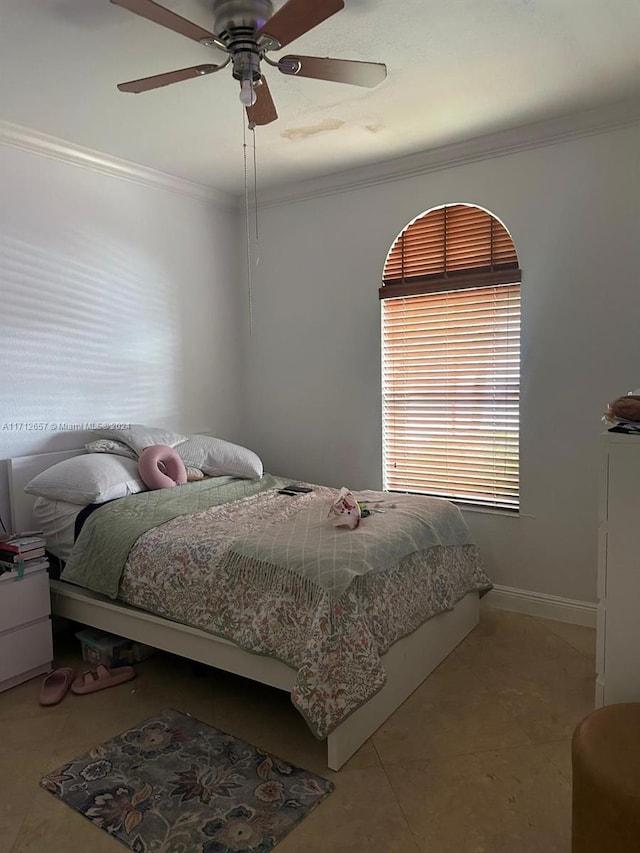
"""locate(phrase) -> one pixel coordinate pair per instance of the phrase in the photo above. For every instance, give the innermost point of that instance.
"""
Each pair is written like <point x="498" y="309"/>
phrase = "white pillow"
<point x="57" y="520"/>
<point x="218" y="458"/>
<point x="89" y="479"/>
<point x="137" y="437"/>
<point x="109" y="445"/>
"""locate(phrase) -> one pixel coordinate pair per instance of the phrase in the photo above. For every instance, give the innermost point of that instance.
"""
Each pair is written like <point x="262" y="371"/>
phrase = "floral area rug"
<point x="174" y="784"/>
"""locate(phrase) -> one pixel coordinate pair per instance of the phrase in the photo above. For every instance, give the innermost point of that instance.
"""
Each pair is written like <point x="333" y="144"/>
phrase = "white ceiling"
<point x="456" y="69"/>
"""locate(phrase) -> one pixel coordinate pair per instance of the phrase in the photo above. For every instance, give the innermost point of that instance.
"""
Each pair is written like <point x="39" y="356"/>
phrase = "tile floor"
<point x="476" y="760"/>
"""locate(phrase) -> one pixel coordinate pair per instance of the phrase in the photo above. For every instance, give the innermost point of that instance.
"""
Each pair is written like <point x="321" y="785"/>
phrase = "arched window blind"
<point x="451" y="359"/>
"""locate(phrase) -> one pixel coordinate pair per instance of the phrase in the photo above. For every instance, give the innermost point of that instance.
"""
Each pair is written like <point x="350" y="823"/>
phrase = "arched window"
<point x="451" y="359"/>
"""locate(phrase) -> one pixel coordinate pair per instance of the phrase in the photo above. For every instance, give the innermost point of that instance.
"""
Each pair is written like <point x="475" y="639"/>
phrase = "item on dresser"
<point x="623" y="413"/>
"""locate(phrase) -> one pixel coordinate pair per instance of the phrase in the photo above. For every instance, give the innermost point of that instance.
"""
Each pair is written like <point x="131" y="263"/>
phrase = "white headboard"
<point x="21" y="470"/>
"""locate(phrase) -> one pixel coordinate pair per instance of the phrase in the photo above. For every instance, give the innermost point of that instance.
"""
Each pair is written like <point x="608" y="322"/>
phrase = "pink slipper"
<point x="102" y="677"/>
<point x="55" y="685"/>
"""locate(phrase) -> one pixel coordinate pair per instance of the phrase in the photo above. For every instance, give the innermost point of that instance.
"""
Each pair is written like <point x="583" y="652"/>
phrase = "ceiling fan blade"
<point x="297" y="17"/>
<point x="264" y="110"/>
<point x="166" y="18"/>
<point x="339" y="70"/>
<point x="146" y="83"/>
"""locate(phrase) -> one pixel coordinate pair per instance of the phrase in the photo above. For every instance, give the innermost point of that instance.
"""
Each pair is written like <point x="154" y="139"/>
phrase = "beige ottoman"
<point x="605" y="753"/>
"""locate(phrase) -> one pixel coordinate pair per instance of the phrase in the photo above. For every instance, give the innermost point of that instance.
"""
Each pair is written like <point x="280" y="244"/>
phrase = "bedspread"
<point x="101" y="550"/>
<point x="220" y="570"/>
<point x="330" y="557"/>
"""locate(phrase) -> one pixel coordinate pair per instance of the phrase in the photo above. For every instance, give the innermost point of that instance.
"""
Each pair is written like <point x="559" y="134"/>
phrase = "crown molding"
<point x="42" y="144"/>
<point x="522" y="138"/>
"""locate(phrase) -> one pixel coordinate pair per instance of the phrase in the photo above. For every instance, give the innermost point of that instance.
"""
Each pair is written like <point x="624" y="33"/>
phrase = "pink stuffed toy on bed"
<point x="172" y="472"/>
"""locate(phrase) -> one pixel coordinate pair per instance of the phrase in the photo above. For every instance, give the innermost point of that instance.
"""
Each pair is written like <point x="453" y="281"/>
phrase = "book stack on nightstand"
<point x="26" y="647"/>
<point x="22" y="555"/>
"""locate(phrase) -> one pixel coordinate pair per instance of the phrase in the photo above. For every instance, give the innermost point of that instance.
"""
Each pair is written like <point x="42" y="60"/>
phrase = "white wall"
<point x="313" y="362"/>
<point x="117" y="304"/>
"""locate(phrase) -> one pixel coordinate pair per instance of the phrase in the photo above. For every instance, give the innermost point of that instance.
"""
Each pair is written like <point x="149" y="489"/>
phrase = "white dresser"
<point x="618" y="634"/>
<point x="26" y="647"/>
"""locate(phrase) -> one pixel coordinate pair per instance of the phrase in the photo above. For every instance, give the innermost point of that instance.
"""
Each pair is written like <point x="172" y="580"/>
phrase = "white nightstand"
<point x="26" y="645"/>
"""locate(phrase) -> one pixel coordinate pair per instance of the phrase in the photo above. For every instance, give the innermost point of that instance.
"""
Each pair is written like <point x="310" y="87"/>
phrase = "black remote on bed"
<point x="298" y="487"/>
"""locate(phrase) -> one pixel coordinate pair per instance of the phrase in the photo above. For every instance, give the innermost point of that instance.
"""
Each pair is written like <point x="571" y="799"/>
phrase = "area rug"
<point x="175" y="784"/>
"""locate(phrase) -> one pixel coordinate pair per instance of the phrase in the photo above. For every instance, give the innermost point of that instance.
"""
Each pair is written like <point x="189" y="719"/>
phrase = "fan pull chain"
<point x="246" y="200"/>
<point x="255" y="191"/>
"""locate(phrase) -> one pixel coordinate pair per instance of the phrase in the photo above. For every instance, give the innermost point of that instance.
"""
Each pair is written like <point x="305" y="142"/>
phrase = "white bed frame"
<point x="406" y="664"/>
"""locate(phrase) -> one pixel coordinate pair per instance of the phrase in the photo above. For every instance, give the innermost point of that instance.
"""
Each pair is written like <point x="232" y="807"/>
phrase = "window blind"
<point x="451" y="247"/>
<point x="451" y="359"/>
<point x="451" y="376"/>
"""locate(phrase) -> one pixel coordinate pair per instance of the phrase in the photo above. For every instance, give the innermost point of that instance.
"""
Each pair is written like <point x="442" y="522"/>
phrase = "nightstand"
<point x="26" y="645"/>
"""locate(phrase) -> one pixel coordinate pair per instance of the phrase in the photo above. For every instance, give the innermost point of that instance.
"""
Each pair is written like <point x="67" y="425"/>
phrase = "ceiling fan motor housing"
<point x="236" y="22"/>
<point x="229" y="14"/>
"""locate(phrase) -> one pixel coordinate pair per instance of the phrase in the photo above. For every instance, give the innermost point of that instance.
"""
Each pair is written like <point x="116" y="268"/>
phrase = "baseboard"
<point x="542" y="605"/>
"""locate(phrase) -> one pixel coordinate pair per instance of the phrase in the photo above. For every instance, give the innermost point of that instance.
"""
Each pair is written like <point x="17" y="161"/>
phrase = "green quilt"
<point x="108" y="535"/>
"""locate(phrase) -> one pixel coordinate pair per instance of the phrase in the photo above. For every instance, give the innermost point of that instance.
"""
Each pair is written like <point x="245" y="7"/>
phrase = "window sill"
<point x="488" y="510"/>
<point x="467" y="507"/>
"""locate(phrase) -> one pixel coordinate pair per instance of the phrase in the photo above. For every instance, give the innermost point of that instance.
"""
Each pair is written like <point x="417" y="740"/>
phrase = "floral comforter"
<point x="187" y="569"/>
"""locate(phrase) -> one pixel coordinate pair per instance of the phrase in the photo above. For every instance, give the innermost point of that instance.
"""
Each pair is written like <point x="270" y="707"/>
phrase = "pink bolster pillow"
<point x="149" y="467"/>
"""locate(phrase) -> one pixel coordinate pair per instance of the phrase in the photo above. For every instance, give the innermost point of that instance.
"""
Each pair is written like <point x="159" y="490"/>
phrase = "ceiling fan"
<point x="246" y="31"/>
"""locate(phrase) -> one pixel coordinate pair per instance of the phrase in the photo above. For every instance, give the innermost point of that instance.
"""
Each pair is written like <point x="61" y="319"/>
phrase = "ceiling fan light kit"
<point x="246" y="30"/>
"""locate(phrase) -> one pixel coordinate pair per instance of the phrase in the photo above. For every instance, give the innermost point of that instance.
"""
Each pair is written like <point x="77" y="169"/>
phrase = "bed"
<point x="362" y="699"/>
